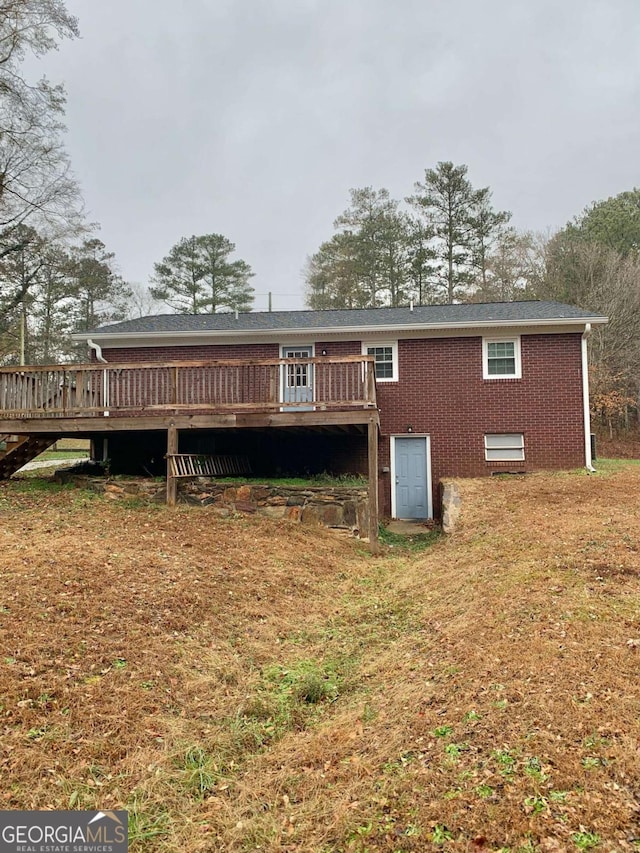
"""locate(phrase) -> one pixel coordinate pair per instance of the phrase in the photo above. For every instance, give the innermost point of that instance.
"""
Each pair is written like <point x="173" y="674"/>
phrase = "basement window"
<point x="501" y="358"/>
<point x="504" y="447"/>
<point x="385" y="354"/>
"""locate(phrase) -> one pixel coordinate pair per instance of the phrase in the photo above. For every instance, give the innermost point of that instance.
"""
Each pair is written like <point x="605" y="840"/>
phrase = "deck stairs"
<point x="17" y="450"/>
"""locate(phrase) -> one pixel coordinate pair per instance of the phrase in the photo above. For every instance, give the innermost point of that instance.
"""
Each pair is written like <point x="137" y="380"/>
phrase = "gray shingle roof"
<point x="424" y="315"/>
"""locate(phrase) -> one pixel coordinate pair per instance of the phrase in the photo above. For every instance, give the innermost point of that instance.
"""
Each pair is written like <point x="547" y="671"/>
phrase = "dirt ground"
<point x="242" y="684"/>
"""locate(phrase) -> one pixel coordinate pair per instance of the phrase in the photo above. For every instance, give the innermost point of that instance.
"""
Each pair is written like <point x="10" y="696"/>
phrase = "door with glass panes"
<point x="297" y="379"/>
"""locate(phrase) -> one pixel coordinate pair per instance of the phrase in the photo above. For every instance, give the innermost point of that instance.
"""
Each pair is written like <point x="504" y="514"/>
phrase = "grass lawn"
<point x="612" y="466"/>
<point x="61" y="455"/>
<point x="243" y="684"/>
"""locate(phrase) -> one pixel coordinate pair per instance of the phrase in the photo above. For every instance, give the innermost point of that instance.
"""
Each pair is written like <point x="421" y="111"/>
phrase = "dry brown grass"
<point x="624" y="446"/>
<point x="480" y="696"/>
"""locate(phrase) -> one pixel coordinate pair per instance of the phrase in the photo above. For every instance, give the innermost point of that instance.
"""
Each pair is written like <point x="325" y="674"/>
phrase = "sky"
<point x="254" y="118"/>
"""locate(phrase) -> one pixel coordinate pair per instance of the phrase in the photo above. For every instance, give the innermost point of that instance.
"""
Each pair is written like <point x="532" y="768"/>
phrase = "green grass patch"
<point x="286" y="698"/>
<point x="315" y="481"/>
<point x="415" y="542"/>
<point x="148" y="820"/>
<point x="306" y="681"/>
<point x="38" y="484"/>
<point x="199" y="771"/>
<point x="61" y="455"/>
<point x="614" y="466"/>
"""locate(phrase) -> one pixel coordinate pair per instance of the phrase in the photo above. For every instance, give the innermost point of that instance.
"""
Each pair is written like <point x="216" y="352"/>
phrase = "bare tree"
<point x="141" y="302"/>
<point x="36" y="184"/>
<point x="602" y="279"/>
<point x="507" y="267"/>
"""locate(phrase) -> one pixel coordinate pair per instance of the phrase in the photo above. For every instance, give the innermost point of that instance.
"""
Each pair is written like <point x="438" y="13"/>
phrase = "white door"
<point x="297" y="384"/>
<point x="411" y="484"/>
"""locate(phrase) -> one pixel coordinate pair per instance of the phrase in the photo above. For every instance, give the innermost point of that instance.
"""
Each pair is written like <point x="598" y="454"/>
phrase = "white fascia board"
<point x="137" y="339"/>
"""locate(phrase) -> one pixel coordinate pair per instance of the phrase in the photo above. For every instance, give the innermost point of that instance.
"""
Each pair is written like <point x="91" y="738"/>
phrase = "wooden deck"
<point x="196" y="394"/>
<point x="38" y="403"/>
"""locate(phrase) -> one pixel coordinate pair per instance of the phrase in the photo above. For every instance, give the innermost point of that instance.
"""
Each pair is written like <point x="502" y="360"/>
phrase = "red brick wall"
<point x="338" y="348"/>
<point x="441" y="393"/>
<point x="221" y="351"/>
<point x="185" y="353"/>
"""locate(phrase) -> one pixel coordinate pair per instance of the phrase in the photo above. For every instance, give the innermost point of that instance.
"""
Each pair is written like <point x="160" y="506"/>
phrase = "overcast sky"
<point x="253" y="118"/>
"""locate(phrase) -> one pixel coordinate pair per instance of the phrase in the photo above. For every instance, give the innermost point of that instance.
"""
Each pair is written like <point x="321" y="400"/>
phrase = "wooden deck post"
<point x="273" y="383"/>
<point x="172" y="447"/>
<point x="174" y="385"/>
<point x="372" y="453"/>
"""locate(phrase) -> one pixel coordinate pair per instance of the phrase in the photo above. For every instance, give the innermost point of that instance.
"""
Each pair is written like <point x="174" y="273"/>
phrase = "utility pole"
<point x="23" y="334"/>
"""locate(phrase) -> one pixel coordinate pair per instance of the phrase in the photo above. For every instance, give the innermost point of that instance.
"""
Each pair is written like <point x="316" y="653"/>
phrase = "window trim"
<point x="504" y="447"/>
<point x="512" y="339"/>
<point x="394" y="357"/>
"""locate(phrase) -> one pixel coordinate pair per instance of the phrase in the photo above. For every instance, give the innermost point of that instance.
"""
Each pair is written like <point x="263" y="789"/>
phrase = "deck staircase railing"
<point x="17" y="450"/>
<point x="92" y="390"/>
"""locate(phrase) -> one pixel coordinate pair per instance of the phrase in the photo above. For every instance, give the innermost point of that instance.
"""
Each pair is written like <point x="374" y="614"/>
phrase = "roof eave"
<point x="342" y="330"/>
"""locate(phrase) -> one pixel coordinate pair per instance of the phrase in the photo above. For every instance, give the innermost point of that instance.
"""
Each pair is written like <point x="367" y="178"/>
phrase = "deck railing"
<point x="86" y="390"/>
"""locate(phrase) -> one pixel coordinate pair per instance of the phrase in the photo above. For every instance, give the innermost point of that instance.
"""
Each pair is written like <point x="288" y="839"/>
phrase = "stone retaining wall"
<point x="341" y="507"/>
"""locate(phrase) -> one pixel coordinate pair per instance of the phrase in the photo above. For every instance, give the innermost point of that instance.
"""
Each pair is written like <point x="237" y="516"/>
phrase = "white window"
<point x="385" y="354"/>
<point x="504" y="447"/>
<point x="501" y="358"/>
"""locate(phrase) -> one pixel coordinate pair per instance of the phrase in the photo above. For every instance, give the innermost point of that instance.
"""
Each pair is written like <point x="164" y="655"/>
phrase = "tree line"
<point x="440" y="247"/>
<point x="447" y="243"/>
<point x="51" y="289"/>
<point x="56" y="276"/>
<point x="444" y="242"/>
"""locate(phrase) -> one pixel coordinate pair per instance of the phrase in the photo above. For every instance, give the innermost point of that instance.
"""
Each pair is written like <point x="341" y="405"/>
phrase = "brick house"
<point x="461" y="390"/>
<point x="404" y="395"/>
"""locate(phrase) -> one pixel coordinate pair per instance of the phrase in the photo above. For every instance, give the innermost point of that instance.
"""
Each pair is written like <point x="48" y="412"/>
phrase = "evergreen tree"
<point x="332" y="275"/>
<point x="99" y="294"/>
<point x="179" y="278"/>
<point x="380" y="255"/>
<point x="613" y="222"/>
<point x="226" y="282"/>
<point x="487" y="225"/>
<point x="446" y="201"/>
<point x="52" y="306"/>
<point x="21" y="258"/>
<point x="365" y="263"/>
<point x="421" y="256"/>
<point x="198" y="277"/>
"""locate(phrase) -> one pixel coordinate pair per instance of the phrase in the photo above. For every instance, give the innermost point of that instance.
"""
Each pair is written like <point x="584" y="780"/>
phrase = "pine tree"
<point x="487" y="225"/>
<point x="445" y="202"/>
<point x="198" y="277"/>
<point x="365" y="263"/>
<point x="99" y="294"/>
<point x="227" y="282"/>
